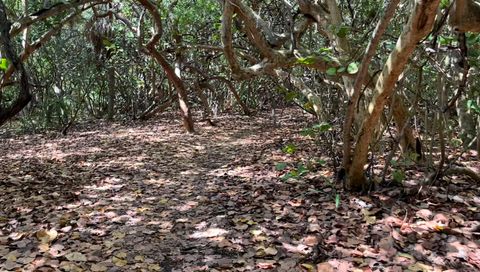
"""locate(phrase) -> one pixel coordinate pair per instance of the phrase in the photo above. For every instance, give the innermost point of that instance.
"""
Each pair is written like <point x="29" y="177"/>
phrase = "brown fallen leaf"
<point x="46" y="236"/>
<point x="70" y="267"/>
<point x="119" y="262"/>
<point x="76" y="257"/>
<point x="324" y="267"/>
<point x="266" y="265"/>
<point x="310" y="240"/>
<point x="98" y="268"/>
<point x="301" y="249"/>
<point x="154" y="267"/>
<point x="272" y="251"/>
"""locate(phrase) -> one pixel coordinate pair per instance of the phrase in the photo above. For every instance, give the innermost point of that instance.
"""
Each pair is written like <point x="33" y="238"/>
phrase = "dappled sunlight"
<point x="214" y="198"/>
<point x="186" y="206"/>
<point x="208" y="233"/>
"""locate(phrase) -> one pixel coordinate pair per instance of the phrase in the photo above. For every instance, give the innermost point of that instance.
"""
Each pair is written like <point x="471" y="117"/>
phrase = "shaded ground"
<point x="147" y="197"/>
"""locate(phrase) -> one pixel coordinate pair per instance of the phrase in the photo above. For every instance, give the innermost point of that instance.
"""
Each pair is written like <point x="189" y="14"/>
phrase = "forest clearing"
<point x="240" y="135"/>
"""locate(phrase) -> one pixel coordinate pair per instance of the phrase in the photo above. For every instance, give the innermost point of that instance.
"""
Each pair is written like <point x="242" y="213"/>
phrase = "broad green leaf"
<point x="280" y="166"/>
<point x="321" y="162"/>
<point x="307" y="60"/>
<point x="331" y="71"/>
<point x="325" y="50"/>
<point x="352" y="68"/>
<point x="308" y="105"/>
<point x="4" y="63"/>
<point x="444" y="4"/>
<point x="343" y="31"/>
<point x="323" y="127"/>
<point x="308" y="132"/>
<point x="445" y="40"/>
<point x="472" y="105"/>
<point x="302" y="170"/>
<point x="287" y="176"/>
<point x="289" y="149"/>
<point x="398" y="176"/>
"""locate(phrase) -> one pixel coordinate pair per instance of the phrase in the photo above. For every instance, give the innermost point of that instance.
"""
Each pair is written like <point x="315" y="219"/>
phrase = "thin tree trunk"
<point x="111" y="92"/>
<point x="418" y="26"/>
<point x="26" y="31"/>
<point x="401" y="117"/>
<point x="169" y="70"/>
<point x="360" y="81"/>
<point x="478" y="132"/>
<point x="207" y="111"/>
<point x="24" y="96"/>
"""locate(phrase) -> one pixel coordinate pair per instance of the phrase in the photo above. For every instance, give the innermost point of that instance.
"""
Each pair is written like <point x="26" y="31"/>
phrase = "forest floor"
<point x="147" y="197"/>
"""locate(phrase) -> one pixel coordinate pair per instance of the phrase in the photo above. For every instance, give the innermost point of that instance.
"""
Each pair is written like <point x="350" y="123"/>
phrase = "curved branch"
<point x="56" y="9"/>
<point x="24" y="97"/>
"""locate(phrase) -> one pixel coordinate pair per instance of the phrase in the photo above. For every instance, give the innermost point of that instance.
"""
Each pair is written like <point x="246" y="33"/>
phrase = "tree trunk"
<point x="169" y="70"/>
<point x="179" y="86"/>
<point x="418" y="26"/>
<point x="401" y="117"/>
<point x="26" y="36"/>
<point x="360" y="80"/>
<point x="24" y="96"/>
<point x="111" y="92"/>
<point x="207" y="111"/>
<point x="478" y="131"/>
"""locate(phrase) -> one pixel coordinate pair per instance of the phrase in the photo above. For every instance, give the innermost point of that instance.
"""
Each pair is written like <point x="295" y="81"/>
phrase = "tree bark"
<point x="360" y="81"/>
<point x="111" y="92"/>
<point x="24" y="96"/>
<point x="401" y="117"/>
<point x="419" y="25"/>
<point x="169" y="70"/>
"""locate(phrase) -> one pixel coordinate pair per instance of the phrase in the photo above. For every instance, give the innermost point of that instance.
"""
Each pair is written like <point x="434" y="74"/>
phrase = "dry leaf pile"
<point x="146" y="197"/>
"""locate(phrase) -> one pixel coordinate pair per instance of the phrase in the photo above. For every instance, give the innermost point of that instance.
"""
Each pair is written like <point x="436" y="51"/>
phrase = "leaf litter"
<point x="146" y="197"/>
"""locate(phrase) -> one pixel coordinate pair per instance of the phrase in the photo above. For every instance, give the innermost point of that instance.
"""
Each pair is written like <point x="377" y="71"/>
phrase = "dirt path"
<point x="149" y="198"/>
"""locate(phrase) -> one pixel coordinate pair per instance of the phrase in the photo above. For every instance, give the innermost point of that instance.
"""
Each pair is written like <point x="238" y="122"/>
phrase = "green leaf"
<point x="323" y="127"/>
<point x="291" y="96"/>
<point x="398" y="176"/>
<point x="308" y="132"/>
<point x="325" y="50"/>
<point x="307" y="60"/>
<point x="289" y="149"/>
<point x="4" y="63"/>
<point x="445" y="40"/>
<point x="321" y="162"/>
<point x="456" y="142"/>
<point x="331" y="71"/>
<point x="352" y="68"/>
<point x="341" y="69"/>
<point x="280" y="166"/>
<point x="343" y="31"/>
<point x="308" y="105"/>
<point x="444" y="4"/>
<point x="337" y="201"/>
<point x="106" y="42"/>
<point x="472" y="105"/>
<point x="302" y="170"/>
